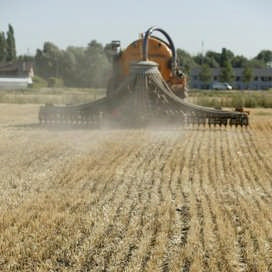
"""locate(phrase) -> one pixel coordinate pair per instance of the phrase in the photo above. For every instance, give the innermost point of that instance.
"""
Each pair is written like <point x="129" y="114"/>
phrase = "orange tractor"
<point x="153" y="49"/>
<point x="146" y="86"/>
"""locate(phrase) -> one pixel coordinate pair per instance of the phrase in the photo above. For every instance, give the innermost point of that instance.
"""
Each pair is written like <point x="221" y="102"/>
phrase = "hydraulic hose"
<point x="171" y="45"/>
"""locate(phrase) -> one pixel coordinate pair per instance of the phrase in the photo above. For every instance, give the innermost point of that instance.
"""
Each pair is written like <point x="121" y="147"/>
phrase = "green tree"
<point x="185" y="60"/>
<point x="47" y="61"/>
<point x="76" y="66"/>
<point x="198" y="59"/>
<point x="256" y="63"/>
<point x="3" y="47"/>
<point x="227" y="74"/>
<point x="239" y="62"/>
<point x="77" y="57"/>
<point x="67" y="67"/>
<point x="214" y="55"/>
<point x="11" y="47"/>
<point x="265" y="56"/>
<point x="96" y="65"/>
<point x="208" y="59"/>
<point x="247" y="75"/>
<point x="211" y="62"/>
<point x="226" y="55"/>
<point x="205" y="74"/>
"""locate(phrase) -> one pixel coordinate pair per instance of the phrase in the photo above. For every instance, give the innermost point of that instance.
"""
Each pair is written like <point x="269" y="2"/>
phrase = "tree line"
<point x="89" y="66"/>
<point x="226" y="60"/>
<point x="7" y="45"/>
<point x="76" y="66"/>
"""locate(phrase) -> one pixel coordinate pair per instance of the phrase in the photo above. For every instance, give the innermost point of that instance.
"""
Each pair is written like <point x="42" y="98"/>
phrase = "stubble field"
<point x="134" y="200"/>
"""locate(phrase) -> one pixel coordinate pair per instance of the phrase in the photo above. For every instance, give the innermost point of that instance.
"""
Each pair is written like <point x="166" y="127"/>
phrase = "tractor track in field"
<point x="260" y="198"/>
<point x="130" y="250"/>
<point x="175" y="167"/>
<point x="100" y="200"/>
<point x="241" y="215"/>
<point x="186" y="210"/>
<point x="124" y="179"/>
<point x="252" y="177"/>
<point x="255" y="163"/>
<point x="213" y="174"/>
<point x="267" y="167"/>
<point x="200" y="215"/>
<point x="132" y="244"/>
<point x="156" y="195"/>
<point x="247" y="174"/>
<point x="252" y="235"/>
<point x="198" y="177"/>
<point x="236" y="209"/>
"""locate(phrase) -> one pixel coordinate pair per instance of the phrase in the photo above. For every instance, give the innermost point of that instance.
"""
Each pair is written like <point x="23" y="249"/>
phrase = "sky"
<point x="243" y="26"/>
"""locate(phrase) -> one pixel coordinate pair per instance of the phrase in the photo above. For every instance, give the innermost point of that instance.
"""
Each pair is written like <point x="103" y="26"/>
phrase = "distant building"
<point x="17" y="75"/>
<point x="261" y="79"/>
<point x="12" y="83"/>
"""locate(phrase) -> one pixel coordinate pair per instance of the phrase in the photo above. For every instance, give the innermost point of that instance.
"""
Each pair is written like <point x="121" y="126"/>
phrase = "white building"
<point x="12" y="83"/>
<point x="17" y="75"/>
<point x="261" y="79"/>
